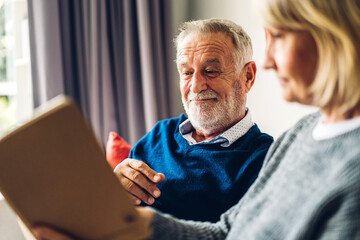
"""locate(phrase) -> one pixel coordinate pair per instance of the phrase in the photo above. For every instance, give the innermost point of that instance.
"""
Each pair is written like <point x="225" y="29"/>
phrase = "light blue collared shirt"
<point x="226" y="138"/>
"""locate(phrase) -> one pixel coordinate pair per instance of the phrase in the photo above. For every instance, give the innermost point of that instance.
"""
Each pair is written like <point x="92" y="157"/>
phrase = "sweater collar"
<point x="226" y="138"/>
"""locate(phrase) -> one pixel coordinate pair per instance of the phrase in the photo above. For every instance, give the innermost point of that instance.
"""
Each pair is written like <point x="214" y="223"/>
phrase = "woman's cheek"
<point x="283" y="61"/>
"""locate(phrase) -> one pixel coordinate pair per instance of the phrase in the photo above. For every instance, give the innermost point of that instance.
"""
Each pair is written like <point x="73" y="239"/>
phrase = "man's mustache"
<point x="202" y="95"/>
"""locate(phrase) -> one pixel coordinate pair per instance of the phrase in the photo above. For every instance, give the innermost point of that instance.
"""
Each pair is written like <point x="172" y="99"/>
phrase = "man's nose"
<point x="198" y="82"/>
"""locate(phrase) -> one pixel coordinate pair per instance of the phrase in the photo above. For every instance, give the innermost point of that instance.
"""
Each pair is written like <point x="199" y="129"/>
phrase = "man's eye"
<point x="186" y="73"/>
<point x="212" y="73"/>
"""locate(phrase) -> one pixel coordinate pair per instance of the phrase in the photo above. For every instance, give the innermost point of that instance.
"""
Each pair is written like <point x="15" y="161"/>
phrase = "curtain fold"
<point x="113" y="57"/>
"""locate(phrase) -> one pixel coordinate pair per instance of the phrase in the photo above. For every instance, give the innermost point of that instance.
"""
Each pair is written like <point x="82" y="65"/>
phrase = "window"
<point x="15" y="76"/>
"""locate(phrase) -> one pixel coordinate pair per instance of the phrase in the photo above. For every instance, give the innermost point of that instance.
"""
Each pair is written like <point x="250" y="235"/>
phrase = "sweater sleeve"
<point x="339" y="219"/>
<point x="339" y="215"/>
<point x="167" y="227"/>
<point x="345" y="223"/>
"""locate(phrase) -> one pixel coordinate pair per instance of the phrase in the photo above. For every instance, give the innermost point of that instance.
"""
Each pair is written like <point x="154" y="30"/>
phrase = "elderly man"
<point x="198" y="167"/>
<point x="212" y="157"/>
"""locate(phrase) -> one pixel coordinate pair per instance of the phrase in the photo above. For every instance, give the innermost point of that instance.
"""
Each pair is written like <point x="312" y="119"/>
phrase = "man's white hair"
<point x="241" y="40"/>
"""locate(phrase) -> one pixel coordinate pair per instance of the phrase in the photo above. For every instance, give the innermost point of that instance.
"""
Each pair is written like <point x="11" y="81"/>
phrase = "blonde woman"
<point x="309" y="186"/>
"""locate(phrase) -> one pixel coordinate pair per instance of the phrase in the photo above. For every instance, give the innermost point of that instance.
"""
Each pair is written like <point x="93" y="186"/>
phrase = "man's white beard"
<point x="209" y="117"/>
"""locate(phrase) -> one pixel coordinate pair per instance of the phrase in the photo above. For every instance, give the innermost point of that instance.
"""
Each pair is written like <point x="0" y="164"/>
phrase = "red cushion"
<point x="117" y="149"/>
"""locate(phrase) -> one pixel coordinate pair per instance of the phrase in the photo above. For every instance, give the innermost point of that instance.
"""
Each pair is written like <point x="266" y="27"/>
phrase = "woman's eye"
<point x="276" y="35"/>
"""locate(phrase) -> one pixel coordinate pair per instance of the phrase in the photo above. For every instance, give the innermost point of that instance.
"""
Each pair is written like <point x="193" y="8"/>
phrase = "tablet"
<point x="53" y="171"/>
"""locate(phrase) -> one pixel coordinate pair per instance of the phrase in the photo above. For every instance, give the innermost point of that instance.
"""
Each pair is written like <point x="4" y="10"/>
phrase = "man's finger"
<point x="146" y="170"/>
<point x="136" y="191"/>
<point x="134" y="199"/>
<point x="142" y="181"/>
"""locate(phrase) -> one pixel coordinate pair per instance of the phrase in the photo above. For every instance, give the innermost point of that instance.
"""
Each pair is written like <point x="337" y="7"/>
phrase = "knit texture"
<point x="306" y="189"/>
<point x="205" y="180"/>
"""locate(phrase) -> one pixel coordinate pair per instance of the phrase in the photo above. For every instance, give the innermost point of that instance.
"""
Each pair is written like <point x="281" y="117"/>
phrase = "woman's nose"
<point x="268" y="62"/>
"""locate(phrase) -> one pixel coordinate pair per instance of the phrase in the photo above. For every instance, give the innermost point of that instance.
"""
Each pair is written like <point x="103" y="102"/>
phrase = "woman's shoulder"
<point x="307" y="120"/>
<point x="302" y="124"/>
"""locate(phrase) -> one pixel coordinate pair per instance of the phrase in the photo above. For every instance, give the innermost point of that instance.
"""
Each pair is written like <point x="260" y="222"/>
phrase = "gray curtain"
<point x="113" y="57"/>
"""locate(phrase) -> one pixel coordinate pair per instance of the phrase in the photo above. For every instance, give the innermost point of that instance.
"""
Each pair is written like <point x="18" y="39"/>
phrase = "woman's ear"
<point x="250" y="73"/>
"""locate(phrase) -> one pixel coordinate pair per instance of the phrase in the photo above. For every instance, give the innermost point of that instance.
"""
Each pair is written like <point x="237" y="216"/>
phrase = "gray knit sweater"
<point x="306" y="189"/>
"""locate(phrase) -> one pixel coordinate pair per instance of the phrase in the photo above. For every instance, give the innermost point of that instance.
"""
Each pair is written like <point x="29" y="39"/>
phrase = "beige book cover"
<point x="53" y="171"/>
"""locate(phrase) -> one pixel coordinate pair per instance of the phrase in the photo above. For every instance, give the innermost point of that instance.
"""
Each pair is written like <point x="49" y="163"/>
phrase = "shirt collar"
<point x="226" y="138"/>
<point x="325" y="131"/>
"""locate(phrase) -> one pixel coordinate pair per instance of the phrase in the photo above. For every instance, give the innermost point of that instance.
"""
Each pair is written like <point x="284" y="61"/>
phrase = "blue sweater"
<point x="202" y="181"/>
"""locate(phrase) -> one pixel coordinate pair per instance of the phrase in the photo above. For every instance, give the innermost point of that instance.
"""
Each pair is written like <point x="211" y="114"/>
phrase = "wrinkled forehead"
<point x="210" y="45"/>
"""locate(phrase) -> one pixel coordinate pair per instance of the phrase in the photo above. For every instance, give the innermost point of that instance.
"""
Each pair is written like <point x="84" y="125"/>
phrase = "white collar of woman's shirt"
<point x="325" y="131"/>
<point x="226" y="138"/>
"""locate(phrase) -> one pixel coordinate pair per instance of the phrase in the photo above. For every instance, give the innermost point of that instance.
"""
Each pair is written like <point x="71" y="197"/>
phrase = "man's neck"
<point x="200" y="136"/>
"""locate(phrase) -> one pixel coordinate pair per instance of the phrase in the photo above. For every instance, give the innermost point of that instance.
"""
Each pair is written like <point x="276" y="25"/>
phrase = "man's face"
<point x="211" y="89"/>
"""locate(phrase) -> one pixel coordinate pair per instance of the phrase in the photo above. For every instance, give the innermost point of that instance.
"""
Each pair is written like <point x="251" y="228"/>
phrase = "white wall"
<point x="269" y="110"/>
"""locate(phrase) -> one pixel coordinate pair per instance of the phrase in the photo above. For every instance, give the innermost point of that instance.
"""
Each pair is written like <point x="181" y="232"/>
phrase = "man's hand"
<point x="44" y="232"/>
<point x="139" y="180"/>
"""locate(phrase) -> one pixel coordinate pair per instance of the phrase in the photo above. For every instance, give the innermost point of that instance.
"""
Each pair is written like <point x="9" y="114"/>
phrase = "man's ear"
<point x="250" y="73"/>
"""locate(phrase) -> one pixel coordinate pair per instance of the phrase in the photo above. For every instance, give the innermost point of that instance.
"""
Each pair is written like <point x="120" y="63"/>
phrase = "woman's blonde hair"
<point x="335" y="27"/>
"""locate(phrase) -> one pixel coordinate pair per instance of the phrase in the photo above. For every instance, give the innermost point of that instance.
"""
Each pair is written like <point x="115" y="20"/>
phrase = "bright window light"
<point x="15" y="74"/>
